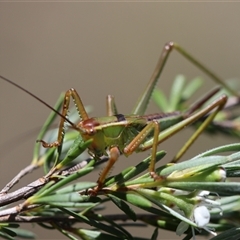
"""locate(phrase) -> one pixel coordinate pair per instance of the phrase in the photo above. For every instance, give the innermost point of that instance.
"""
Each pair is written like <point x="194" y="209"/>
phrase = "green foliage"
<point x="63" y="198"/>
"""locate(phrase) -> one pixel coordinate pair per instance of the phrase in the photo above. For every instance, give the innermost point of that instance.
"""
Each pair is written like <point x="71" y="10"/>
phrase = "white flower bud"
<point x="201" y="216"/>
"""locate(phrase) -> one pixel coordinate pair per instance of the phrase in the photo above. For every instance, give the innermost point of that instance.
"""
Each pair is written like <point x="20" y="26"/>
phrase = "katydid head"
<point x="87" y="127"/>
<point x="88" y="130"/>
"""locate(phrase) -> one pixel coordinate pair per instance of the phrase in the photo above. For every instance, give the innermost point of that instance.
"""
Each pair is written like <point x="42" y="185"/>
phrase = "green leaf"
<point x="191" y="88"/>
<point x="67" y="234"/>
<point x="95" y="223"/>
<point x="155" y="234"/>
<point x="199" y="164"/>
<point x="9" y="231"/>
<point x="161" y="100"/>
<point x="133" y="198"/>
<point x="123" y="206"/>
<point x="6" y="236"/>
<point x="117" y="226"/>
<point x="69" y="179"/>
<point x="225" y="188"/>
<point x="23" y="233"/>
<point x="78" y="147"/>
<point x="225" y="148"/>
<point x="91" y="235"/>
<point x="76" y="187"/>
<point x="69" y="197"/>
<point x="231" y="234"/>
<point x="176" y="92"/>
<point x="46" y="126"/>
<point x="129" y="173"/>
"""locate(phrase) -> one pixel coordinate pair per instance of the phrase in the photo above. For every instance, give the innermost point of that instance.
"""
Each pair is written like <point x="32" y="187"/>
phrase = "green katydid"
<point x="118" y="134"/>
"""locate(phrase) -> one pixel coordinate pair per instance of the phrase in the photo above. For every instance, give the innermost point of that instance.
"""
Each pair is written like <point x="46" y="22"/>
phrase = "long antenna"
<point x="40" y="100"/>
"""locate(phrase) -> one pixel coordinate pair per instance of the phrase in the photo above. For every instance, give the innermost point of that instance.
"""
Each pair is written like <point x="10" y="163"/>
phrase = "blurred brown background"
<point x="100" y="49"/>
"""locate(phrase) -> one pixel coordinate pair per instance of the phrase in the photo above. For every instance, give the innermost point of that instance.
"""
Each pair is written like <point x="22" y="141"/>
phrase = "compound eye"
<point x="89" y="126"/>
<point x="91" y="131"/>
